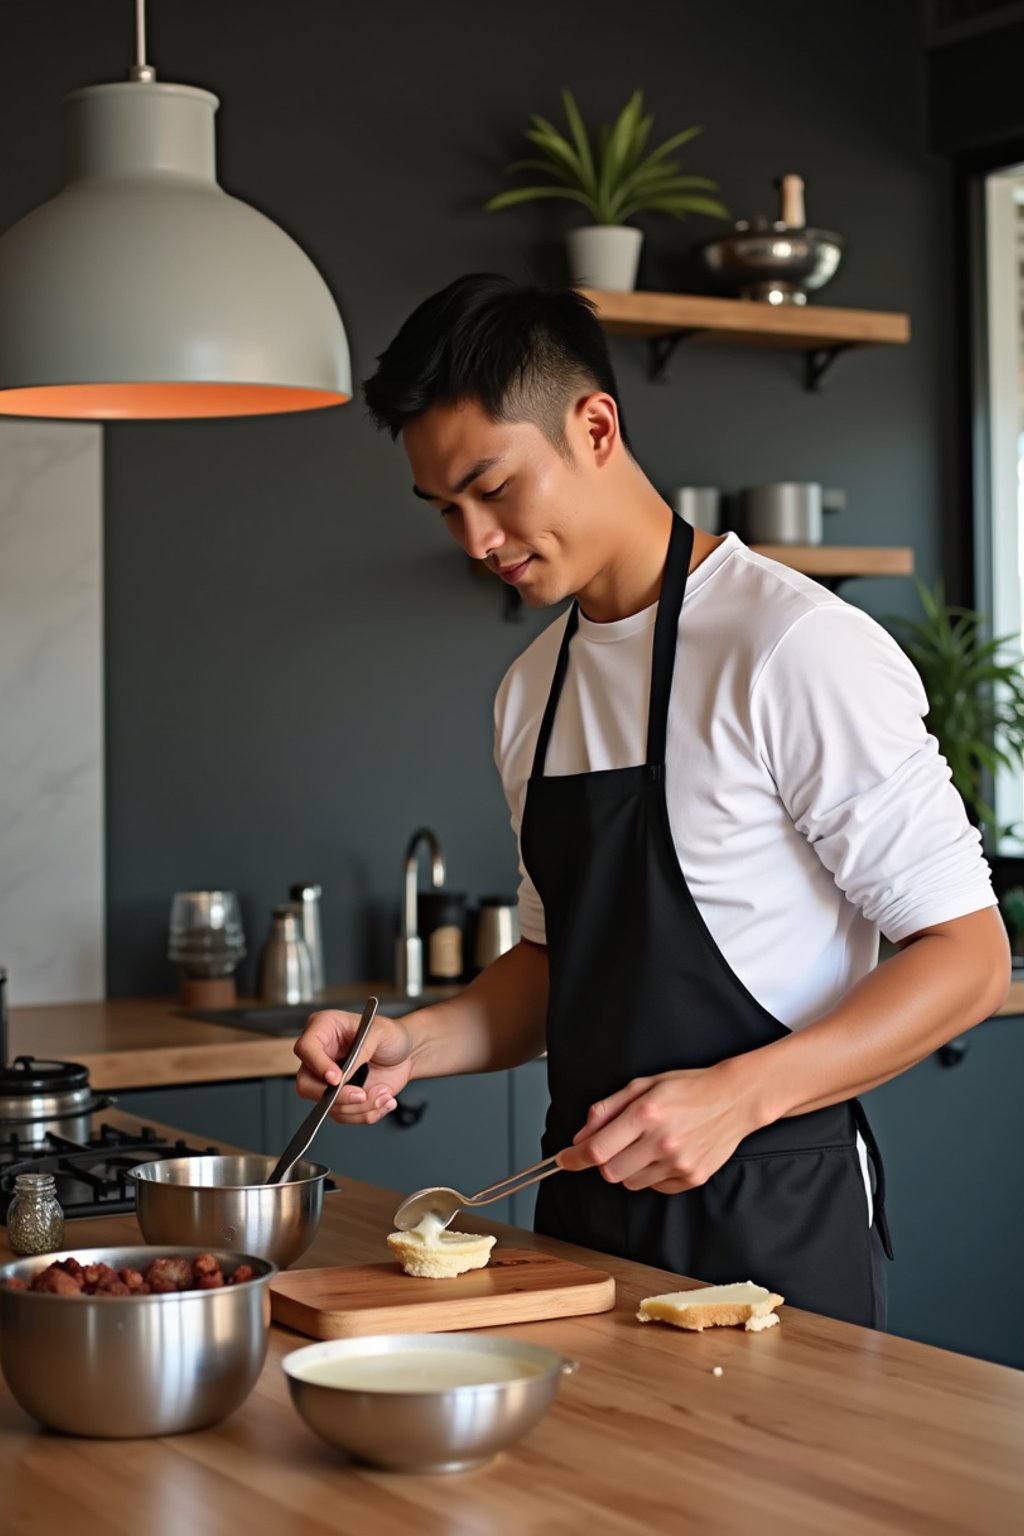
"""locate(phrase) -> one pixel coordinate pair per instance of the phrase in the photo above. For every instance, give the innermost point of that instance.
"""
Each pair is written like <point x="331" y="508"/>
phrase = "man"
<point x="722" y="789"/>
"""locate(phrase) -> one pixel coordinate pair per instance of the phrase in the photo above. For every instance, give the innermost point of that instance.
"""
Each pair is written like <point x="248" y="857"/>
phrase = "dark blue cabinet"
<point x="951" y="1137"/>
<point x="528" y="1107"/>
<point x="446" y="1130"/>
<point x="205" y="1112"/>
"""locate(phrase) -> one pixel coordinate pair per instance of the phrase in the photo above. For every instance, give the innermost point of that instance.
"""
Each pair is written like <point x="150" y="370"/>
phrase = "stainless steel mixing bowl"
<point x="225" y="1202"/>
<point x="129" y="1366"/>
<point x="441" y="1430"/>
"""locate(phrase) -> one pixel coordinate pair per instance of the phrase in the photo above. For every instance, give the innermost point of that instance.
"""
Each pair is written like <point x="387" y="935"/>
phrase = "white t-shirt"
<point x="809" y="807"/>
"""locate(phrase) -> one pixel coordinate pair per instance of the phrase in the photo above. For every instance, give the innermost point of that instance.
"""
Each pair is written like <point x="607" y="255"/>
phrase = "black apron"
<point x="638" y="986"/>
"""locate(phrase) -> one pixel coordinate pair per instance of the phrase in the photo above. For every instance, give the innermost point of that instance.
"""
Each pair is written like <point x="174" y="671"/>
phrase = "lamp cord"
<point x="141" y="72"/>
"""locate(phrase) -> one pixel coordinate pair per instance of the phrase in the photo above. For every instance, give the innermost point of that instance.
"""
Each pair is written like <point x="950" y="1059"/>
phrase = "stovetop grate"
<point x="91" y="1177"/>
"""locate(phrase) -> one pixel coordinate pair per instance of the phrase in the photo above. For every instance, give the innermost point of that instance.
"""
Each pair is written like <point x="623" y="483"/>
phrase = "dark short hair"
<point x="524" y="352"/>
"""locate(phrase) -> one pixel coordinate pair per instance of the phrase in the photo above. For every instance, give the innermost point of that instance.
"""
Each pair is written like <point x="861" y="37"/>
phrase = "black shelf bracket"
<point x="661" y="350"/>
<point x="818" y="361"/>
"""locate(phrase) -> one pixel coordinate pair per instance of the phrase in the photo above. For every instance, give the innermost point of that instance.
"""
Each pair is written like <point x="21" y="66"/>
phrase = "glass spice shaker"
<point x="35" y="1221"/>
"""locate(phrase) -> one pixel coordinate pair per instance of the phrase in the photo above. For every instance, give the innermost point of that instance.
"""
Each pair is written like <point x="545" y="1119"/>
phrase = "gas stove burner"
<point x="91" y="1176"/>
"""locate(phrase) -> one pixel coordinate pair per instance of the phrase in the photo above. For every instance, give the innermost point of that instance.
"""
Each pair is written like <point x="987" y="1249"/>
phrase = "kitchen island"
<point x="813" y="1427"/>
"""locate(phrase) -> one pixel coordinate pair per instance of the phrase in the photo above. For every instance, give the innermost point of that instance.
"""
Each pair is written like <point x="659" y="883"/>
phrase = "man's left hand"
<point x="669" y="1132"/>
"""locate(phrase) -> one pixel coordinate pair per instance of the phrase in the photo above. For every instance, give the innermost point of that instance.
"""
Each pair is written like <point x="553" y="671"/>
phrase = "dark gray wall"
<point x="300" y="665"/>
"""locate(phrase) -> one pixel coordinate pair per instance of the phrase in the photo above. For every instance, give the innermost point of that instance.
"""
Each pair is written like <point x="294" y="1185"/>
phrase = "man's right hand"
<point x="326" y="1040"/>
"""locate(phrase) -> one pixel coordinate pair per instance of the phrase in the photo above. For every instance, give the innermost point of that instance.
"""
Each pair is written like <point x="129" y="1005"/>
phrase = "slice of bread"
<point x="714" y="1306"/>
<point x="442" y="1255"/>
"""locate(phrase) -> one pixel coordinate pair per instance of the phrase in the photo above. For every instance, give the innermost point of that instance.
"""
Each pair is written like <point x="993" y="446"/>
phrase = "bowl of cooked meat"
<point x="128" y="1342"/>
<point x="226" y="1202"/>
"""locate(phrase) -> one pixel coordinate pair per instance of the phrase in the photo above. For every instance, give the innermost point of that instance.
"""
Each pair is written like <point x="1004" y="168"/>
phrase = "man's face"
<point x="508" y="496"/>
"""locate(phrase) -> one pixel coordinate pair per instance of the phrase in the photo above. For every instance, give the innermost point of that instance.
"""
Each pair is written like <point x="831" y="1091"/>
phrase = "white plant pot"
<point x="605" y="256"/>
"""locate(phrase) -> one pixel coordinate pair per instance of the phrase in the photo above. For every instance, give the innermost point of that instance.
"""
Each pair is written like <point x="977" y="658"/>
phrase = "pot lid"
<point x="27" y="1076"/>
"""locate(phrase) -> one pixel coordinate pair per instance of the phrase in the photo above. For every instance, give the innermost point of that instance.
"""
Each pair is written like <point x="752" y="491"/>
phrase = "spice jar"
<point x="35" y="1221"/>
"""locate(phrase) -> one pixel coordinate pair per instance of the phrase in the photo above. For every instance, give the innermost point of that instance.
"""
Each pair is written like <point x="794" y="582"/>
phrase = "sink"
<point x="289" y="1018"/>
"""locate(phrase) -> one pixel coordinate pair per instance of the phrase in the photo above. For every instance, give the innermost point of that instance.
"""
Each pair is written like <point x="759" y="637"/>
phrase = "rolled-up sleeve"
<point x="838" y="712"/>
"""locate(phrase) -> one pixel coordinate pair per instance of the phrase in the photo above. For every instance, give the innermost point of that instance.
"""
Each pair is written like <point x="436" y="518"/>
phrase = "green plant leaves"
<point x="975" y="693"/>
<point x="611" y="176"/>
<point x="527" y="194"/>
<point x="579" y="138"/>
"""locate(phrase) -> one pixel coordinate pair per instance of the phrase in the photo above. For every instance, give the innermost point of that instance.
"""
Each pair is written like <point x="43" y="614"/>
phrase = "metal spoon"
<point x="444" y="1203"/>
<point x="300" y="1142"/>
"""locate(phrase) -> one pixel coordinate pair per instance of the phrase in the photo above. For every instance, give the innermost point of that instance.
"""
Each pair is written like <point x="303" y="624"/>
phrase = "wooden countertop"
<point x="814" y="1426"/>
<point x="151" y="1043"/>
<point x="148" y="1043"/>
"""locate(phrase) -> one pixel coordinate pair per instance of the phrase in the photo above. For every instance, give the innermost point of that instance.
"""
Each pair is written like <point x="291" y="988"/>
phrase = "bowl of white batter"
<point x="414" y="1402"/>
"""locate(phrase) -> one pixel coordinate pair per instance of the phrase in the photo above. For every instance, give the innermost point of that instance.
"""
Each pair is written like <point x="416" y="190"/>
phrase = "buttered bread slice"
<point x="432" y="1252"/>
<point x="714" y="1306"/>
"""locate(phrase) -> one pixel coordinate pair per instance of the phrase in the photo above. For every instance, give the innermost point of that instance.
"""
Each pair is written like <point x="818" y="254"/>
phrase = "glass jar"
<point x="35" y="1221"/>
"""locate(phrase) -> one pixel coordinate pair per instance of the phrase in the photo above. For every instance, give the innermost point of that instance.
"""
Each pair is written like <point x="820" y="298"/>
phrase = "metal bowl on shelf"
<point x="408" y="1402"/>
<point x="125" y="1367"/>
<point x="772" y="262"/>
<point x="221" y="1202"/>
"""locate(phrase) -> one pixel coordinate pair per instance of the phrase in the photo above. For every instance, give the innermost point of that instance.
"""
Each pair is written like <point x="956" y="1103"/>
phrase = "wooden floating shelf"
<point x="835" y="562"/>
<point x="665" y="319"/>
<point x="801" y="326"/>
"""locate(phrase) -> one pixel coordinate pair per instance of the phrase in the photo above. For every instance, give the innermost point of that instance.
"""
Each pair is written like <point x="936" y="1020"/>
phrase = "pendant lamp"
<point x="143" y="290"/>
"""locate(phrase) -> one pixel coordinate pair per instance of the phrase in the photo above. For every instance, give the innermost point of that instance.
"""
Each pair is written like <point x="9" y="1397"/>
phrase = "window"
<point x="1000" y="460"/>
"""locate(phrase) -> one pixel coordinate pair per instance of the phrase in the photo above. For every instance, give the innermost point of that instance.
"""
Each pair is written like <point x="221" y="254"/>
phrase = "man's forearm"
<point x="497" y="1021"/>
<point x="942" y="983"/>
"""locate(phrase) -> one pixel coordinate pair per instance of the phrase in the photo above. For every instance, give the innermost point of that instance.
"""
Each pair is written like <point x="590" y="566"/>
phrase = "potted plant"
<point x="975" y="695"/>
<point x="613" y="178"/>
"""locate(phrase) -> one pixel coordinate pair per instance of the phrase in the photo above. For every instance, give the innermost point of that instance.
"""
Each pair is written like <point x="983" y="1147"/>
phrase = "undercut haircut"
<point x="525" y="353"/>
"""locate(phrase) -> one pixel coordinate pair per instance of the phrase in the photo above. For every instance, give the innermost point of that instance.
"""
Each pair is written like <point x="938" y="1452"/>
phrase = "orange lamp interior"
<point x="128" y="402"/>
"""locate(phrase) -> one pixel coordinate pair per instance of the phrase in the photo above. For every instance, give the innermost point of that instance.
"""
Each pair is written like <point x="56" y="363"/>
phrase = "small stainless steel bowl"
<point x="225" y="1202"/>
<point x="773" y="263"/>
<point x="421" y="1429"/>
<point x="129" y="1366"/>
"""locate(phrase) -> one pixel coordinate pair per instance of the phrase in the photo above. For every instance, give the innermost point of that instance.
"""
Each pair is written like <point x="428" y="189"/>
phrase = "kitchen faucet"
<point x="409" y="955"/>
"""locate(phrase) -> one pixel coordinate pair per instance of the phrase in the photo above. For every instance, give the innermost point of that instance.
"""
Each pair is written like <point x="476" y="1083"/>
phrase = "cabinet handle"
<point x="953" y="1053"/>
<point x="405" y="1115"/>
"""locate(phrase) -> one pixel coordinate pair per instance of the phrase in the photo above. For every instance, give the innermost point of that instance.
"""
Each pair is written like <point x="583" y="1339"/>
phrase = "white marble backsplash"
<point x="51" y="711"/>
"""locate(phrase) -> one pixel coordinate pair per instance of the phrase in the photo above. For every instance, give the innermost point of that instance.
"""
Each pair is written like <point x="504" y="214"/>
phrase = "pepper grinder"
<point x="791" y="188"/>
<point x="308" y="898"/>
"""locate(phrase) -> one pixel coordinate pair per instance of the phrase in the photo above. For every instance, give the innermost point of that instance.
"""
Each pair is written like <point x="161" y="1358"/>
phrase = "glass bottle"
<point x="35" y="1221"/>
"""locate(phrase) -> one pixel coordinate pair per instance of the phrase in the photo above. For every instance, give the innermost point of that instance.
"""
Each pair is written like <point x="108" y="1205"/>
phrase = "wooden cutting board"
<point x="519" y="1285"/>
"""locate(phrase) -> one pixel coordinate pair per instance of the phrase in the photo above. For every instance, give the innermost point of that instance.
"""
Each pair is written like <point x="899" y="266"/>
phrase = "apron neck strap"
<point x="561" y="667"/>
<point x="673" y="590"/>
<point x="666" y="632"/>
